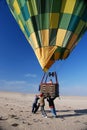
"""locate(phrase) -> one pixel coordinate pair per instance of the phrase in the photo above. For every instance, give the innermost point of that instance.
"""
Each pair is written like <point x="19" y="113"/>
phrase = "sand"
<point x="15" y="113"/>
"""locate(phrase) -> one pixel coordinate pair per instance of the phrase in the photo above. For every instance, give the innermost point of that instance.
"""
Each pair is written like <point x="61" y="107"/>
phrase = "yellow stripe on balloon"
<point x="16" y="7"/>
<point x="60" y="37"/>
<point x="68" y="6"/>
<point x="21" y="25"/>
<point x="54" y="19"/>
<point x="34" y="40"/>
<point x="44" y="54"/>
<point x="29" y="26"/>
<point x="45" y="37"/>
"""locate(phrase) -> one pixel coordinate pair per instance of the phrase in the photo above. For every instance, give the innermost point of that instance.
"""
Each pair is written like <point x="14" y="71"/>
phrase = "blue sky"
<point x="20" y="70"/>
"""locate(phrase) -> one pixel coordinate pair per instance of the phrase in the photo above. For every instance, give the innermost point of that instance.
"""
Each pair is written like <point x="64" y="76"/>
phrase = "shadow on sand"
<point x="79" y="112"/>
<point x="66" y="113"/>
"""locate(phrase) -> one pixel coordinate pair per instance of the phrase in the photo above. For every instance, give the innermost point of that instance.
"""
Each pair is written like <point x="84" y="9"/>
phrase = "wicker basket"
<point x="51" y="89"/>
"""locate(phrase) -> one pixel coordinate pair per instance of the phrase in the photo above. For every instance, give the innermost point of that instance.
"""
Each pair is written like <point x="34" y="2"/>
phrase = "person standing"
<point x="51" y="105"/>
<point x="35" y="105"/>
<point x="50" y="81"/>
<point x="42" y="104"/>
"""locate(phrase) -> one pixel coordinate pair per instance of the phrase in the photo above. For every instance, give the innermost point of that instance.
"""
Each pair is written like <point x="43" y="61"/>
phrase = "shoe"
<point x="42" y="115"/>
<point x="55" y="116"/>
<point x="45" y="116"/>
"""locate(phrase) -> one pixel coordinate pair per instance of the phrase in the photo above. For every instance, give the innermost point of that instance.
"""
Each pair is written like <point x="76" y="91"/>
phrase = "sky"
<point x="20" y="70"/>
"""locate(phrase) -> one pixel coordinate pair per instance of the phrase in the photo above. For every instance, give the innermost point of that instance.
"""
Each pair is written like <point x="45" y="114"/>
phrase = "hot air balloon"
<point x="52" y="27"/>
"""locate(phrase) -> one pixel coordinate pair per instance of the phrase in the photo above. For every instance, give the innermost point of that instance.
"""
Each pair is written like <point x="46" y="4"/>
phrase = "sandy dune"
<point x="15" y="113"/>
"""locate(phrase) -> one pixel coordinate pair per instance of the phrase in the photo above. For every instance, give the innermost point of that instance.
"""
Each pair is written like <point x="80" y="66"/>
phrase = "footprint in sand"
<point x="13" y="116"/>
<point x="77" y="121"/>
<point x="85" y="123"/>
<point x="3" y="118"/>
<point x="21" y="111"/>
<point x="15" y="124"/>
<point x="29" y="124"/>
<point x="11" y="109"/>
<point x="24" y="122"/>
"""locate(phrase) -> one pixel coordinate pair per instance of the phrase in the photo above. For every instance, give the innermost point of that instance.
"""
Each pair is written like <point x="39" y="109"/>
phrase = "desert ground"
<point x="15" y="113"/>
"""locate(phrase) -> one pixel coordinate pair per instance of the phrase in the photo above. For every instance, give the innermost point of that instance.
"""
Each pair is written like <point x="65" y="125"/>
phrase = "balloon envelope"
<point x="52" y="27"/>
